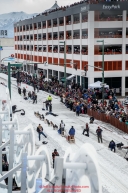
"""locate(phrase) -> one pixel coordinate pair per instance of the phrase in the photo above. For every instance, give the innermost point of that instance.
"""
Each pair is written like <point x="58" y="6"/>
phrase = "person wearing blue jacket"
<point x="78" y="110"/>
<point x="72" y="131"/>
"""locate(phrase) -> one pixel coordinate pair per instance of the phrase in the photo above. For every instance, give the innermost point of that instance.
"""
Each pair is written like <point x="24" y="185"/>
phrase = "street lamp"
<point x="9" y="77"/>
<point x="64" y="62"/>
<point x="102" y="67"/>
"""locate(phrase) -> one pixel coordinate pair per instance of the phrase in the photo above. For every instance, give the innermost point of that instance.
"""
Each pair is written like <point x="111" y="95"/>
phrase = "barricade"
<point x="108" y="119"/>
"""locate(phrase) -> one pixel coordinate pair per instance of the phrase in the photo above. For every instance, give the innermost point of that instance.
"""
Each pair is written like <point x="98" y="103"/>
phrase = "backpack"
<point x="37" y="130"/>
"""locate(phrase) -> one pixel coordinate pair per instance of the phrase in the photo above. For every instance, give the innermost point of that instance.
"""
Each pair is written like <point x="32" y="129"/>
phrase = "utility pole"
<point x="102" y="68"/>
<point x="64" y="63"/>
<point x="9" y="75"/>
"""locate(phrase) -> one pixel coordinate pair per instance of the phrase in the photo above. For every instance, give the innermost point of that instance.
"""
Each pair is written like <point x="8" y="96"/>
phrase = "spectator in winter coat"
<point x="91" y="119"/>
<point x="99" y="134"/>
<point x="40" y="131"/>
<point x="72" y="131"/>
<point x="19" y="90"/>
<point x="35" y="98"/>
<point x="77" y="110"/>
<point x="54" y="154"/>
<point x="24" y="92"/>
<point x="112" y="145"/>
<point x="62" y="126"/>
<point x="86" y="130"/>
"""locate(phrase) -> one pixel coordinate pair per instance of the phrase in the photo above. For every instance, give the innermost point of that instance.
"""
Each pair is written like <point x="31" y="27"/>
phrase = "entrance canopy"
<point x="97" y="84"/>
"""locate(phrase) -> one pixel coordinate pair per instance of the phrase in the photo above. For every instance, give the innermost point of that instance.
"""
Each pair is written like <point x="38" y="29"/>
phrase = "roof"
<point x="53" y="7"/>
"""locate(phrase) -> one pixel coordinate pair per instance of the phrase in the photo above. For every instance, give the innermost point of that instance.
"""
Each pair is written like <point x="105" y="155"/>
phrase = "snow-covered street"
<point x="113" y="166"/>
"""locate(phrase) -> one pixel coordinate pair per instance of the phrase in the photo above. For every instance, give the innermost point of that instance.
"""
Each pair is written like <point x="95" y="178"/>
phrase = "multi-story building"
<point x="41" y="39"/>
<point x="7" y="45"/>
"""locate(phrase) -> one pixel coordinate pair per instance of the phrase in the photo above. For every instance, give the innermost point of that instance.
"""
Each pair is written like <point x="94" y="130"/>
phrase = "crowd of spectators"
<point x="75" y="96"/>
<point x="77" y="99"/>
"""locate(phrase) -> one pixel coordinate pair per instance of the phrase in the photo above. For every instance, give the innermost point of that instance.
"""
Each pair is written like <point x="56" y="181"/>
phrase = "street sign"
<point x="102" y="84"/>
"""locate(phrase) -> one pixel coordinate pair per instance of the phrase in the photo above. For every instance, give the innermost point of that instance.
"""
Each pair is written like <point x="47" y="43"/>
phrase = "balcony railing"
<point x="109" y="53"/>
<point x="61" y="37"/>
<point x="61" y="24"/>
<point x="84" y="36"/>
<point x="55" y="51"/>
<point x="84" y="20"/>
<point x="84" y="52"/>
<point x="77" y="21"/>
<point x="108" y="36"/>
<point x="68" y="23"/>
<point x="69" y="37"/>
<point x="76" y="52"/>
<point x="69" y="52"/>
<point x="109" y="19"/>
<point x="55" y="38"/>
<point x="76" y="37"/>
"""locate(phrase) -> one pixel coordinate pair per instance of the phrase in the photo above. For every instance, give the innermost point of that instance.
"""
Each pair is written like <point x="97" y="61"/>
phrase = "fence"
<point x="108" y="119"/>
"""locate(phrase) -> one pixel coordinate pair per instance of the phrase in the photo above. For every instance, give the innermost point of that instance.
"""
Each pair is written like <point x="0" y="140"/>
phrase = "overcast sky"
<point x="30" y="6"/>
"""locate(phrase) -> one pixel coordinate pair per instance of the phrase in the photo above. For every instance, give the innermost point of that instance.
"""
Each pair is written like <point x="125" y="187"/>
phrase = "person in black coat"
<point x="35" y="98"/>
<point x="99" y="134"/>
<point x="19" y="90"/>
<point x="112" y="145"/>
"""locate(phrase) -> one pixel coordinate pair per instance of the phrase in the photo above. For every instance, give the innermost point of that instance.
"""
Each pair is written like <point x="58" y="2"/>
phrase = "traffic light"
<point x="75" y="66"/>
<point x="35" y="66"/>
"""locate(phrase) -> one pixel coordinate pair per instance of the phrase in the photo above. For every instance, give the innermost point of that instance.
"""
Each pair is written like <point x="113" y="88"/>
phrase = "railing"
<point x="76" y="37"/>
<point x="75" y="22"/>
<point x="69" y="52"/>
<point x="68" y="23"/>
<point x="61" y="38"/>
<point x="84" y="53"/>
<point x="108" y="36"/>
<point x="62" y="24"/>
<point x="84" y="36"/>
<point x="109" y="53"/>
<point x="109" y="19"/>
<point x="84" y="20"/>
<point x="108" y="119"/>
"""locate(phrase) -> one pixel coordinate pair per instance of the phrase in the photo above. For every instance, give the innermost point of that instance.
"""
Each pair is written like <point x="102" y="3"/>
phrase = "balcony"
<point x="107" y="16"/>
<point x="76" y="19"/>
<point x="84" y="18"/>
<point x="61" y="21"/>
<point x="69" y="49"/>
<point x="39" y="25"/>
<point x="55" y="23"/>
<point x="76" y="49"/>
<point x="108" y="33"/>
<point x="68" y="20"/>
<point x="84" y="51"/>
<point x="76" y="34"/>
<point x="108" y="50"/>
<point x="55" y="49"/>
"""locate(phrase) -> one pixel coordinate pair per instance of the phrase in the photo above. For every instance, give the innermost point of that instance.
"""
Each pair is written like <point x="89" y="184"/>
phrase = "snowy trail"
<point x="114" y="169"/>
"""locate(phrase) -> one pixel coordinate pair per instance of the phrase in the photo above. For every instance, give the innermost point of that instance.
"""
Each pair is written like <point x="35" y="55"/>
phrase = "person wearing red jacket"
<point x="54" y="154"/>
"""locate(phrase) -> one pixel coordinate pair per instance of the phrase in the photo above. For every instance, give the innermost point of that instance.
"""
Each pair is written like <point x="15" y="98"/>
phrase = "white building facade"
<point x="7" y="45"/>
<point x="41" y="38"/>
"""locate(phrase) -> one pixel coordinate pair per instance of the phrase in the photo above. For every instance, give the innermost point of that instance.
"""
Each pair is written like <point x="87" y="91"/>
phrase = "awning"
<point x="70" y="77"/>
